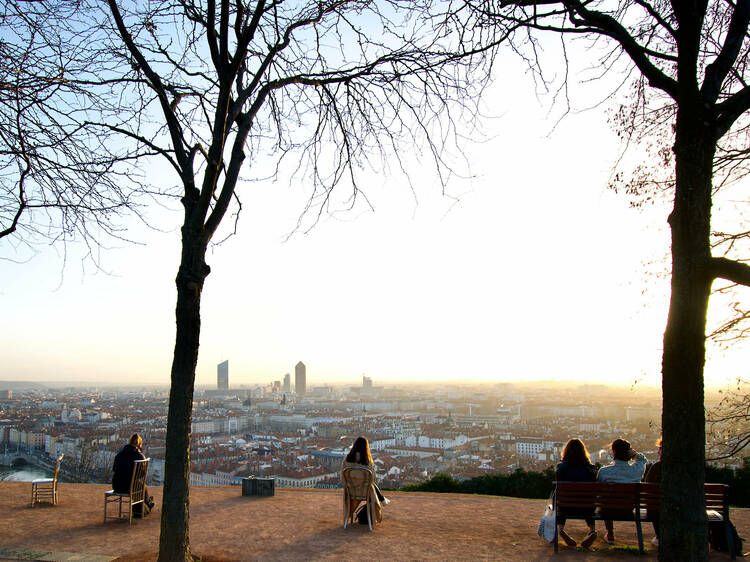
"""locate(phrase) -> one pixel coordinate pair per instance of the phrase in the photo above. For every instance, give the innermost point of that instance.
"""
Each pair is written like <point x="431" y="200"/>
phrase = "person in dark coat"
<point x="653" y="474"/>
<point x="123" y="471"/>
<point x="576" y="467"/>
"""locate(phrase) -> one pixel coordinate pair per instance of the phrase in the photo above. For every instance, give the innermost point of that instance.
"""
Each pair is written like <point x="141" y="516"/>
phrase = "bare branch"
<point x="717" y="71"/>
<point x="731" y="270"/>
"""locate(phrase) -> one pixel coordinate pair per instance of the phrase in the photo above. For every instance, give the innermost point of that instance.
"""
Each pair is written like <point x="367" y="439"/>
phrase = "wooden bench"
<point x="638" y="502"/>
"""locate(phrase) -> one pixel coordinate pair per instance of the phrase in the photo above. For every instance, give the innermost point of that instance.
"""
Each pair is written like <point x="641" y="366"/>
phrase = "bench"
<point x="637" y="502"/>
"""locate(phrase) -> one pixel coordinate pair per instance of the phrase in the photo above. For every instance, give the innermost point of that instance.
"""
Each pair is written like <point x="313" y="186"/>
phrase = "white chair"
<point x="359" y="484"/>
<point x="45" y="489"/>
<point x="137" y="494"/>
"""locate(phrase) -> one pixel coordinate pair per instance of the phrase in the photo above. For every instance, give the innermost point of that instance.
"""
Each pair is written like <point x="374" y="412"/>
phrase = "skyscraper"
<point x="287" y="383"/>
<point x="222" y="375"/>
<point x="300" y="378"/>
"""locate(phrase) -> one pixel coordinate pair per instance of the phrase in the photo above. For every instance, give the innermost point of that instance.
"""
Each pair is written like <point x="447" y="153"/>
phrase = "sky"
<point x="527" y="269"/>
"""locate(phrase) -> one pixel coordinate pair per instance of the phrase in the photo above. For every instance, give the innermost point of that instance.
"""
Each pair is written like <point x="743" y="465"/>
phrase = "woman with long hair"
<point x="360" y="456"/>
<point x="360" y="453"/>
<point x="576" y="466"/>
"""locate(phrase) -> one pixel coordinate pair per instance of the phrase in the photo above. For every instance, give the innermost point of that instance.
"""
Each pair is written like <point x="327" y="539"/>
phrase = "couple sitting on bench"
<point x="628" y="466"/>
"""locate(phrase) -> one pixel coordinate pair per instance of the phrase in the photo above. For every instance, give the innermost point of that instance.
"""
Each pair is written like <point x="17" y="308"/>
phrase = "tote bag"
<point x="546" y="528"/>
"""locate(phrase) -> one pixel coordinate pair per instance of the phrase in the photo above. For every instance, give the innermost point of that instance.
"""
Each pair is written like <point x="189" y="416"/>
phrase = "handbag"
<point x="546" y="528"/>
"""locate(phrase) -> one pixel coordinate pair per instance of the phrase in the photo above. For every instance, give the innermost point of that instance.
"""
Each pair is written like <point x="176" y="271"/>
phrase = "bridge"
<point x="8" y="458"/>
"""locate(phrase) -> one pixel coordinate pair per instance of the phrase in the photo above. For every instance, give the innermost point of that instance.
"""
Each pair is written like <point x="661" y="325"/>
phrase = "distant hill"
<point x="26" y="386"/>
<point x="23" y="386"/>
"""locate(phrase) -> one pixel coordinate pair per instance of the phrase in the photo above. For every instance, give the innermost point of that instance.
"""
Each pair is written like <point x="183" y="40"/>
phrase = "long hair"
<point x="575" y="453"/>
<point x="360" y="452"/>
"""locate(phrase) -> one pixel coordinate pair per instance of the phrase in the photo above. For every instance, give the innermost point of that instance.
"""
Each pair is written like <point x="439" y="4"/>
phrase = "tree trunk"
<point x="174" y="543"/>
<point x="683" y="518"/>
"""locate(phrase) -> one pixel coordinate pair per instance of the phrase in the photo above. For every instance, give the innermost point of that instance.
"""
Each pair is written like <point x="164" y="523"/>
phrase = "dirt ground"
<point x="306" y="525"/>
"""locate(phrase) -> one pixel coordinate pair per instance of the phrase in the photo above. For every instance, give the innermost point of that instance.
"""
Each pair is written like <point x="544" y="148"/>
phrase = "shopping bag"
<point x="546" y="528"/>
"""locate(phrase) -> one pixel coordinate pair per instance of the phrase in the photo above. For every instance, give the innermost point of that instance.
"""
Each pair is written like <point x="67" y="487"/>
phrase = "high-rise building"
<point x="300" y="378"/>
<point x="222" y="375"/>
<point x="287" y="383"/>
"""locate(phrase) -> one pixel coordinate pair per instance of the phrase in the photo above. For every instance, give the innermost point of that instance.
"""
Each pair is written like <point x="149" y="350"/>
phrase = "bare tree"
<point x="694" y="53"/>
<point x="230" y="85"/>
<point x="729" y="423"/>
<point x="56" y="185"/>
<point x="84" y="464"/>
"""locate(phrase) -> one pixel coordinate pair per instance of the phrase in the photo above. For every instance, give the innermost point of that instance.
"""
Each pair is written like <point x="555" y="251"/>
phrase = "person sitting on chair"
<point x="576" y="467"/>
<point x="123" y="472"/>
<point x="360" y="456"/>
<point x="628" y="466"/>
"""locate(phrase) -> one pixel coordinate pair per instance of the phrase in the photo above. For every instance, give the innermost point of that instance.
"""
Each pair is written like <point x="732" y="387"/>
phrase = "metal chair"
<point x="136" y="495"/>
<point x="45" y="489"/>
<point x="359" y="483"/>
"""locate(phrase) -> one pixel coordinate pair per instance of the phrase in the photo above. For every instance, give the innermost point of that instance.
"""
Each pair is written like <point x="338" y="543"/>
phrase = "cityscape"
<point x="474" y="237"/>
<point x="299" y="433"/>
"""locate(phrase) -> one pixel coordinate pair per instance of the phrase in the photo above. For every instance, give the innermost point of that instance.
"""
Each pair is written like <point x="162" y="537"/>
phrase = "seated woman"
<point x="576" y="467"/>
<point x="628" y="466"/>
<point x="360" y="456"/>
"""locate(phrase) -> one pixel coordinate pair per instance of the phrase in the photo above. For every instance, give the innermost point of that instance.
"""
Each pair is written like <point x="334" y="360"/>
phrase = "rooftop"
<point x="300" y="524"/>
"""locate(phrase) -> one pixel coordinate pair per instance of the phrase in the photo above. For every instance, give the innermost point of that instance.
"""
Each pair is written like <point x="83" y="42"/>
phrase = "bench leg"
<point x="556" y="533"/>
<point x="640" y="535"/>
<point x="730" y="539"/>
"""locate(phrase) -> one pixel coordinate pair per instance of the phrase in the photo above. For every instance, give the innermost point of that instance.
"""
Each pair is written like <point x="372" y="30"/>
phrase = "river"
<point x="25" y="474"/>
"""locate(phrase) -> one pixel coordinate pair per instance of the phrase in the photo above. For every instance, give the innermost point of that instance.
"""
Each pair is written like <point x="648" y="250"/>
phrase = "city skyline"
<point x="520" y="272"/>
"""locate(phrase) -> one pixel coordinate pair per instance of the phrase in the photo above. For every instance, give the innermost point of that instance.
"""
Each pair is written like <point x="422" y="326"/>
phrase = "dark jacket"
<point x="654" y="473"/>
<point x="569" y="472"/>
<point x="123" y="468"/>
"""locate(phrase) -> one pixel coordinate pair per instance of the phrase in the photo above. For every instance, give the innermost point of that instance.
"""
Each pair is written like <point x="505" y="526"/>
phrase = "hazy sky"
<point x="536" y="271"/>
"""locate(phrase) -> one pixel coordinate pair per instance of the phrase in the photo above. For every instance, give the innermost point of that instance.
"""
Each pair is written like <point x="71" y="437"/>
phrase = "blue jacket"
<point x="623" y="471"/>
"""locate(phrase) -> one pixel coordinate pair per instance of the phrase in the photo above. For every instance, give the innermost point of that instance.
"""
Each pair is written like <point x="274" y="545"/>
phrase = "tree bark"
<point x="684" y="527"/>
<point x="174" y="543"/>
